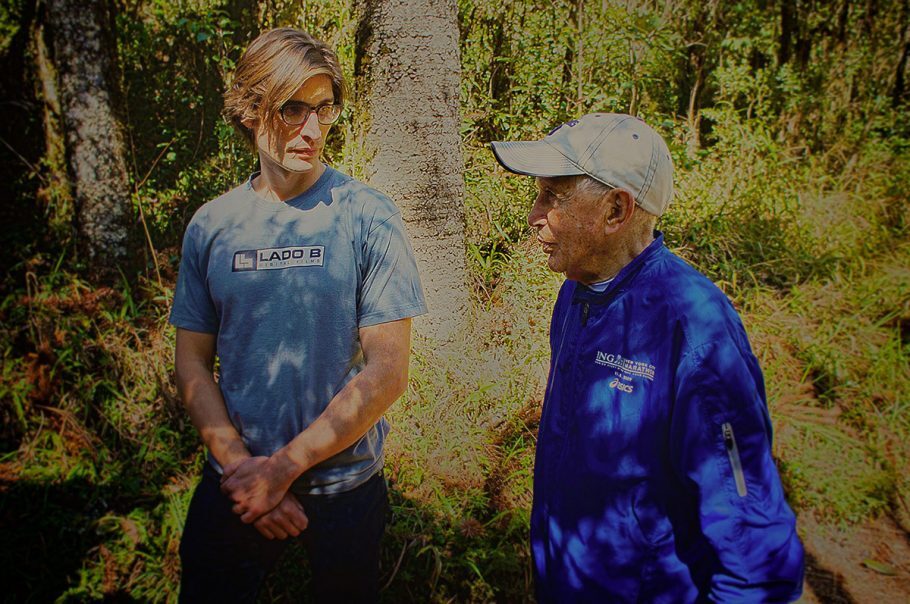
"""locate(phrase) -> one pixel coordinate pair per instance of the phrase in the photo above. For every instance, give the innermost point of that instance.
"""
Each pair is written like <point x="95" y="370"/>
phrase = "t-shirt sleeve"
<point x="193" y="308"/>
<point x="390" y="287"/>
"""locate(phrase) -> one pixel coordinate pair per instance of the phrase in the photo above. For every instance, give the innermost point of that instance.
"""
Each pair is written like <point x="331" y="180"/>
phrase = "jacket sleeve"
<point x="721" y="441"/>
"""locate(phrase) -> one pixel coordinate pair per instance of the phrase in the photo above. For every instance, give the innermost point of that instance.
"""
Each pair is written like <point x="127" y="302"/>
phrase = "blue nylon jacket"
<point x="653" y="477"/>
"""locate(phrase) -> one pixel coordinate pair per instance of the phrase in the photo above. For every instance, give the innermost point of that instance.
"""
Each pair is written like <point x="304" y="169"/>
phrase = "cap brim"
<point x="536" y="158"/>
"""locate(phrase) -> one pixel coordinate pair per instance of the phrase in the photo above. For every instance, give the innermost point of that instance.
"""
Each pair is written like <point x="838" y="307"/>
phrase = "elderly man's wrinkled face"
<point x="569" y="228"/>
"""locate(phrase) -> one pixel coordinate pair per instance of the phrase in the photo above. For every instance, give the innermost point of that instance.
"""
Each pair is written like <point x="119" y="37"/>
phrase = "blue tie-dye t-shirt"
<point x="285" y="287"/>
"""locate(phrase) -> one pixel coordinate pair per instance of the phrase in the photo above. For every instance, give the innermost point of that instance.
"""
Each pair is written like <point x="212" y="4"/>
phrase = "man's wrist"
<point x="286" y="467"/>
<point x="231" y="454"/>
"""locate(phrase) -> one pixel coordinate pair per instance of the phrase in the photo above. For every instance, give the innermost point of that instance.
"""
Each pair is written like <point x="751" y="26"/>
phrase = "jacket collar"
<point x="623" y="278"/>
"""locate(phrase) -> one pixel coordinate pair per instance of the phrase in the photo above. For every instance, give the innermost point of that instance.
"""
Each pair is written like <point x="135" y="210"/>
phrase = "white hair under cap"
<point x="618" y="150"/>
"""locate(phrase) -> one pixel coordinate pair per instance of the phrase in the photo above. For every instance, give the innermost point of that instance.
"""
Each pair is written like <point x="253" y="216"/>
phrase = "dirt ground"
<point x="860" y="564"/>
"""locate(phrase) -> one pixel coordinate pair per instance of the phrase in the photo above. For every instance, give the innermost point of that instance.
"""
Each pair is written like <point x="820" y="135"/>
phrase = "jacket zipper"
<point x="562" y="341"/>
<point x="585" y="307"/>
<point x="735" y="462"/>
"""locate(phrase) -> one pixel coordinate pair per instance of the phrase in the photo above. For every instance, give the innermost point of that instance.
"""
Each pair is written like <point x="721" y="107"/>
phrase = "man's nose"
<point x="310" y="128"/>
<point x="537" y="217"/>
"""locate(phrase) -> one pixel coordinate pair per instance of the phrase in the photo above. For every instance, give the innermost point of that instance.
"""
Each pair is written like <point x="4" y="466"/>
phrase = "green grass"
<point x="836" y="359"/>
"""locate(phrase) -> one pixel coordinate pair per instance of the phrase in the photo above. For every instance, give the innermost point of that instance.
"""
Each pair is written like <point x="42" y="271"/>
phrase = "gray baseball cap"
<point x="618" y="150"/>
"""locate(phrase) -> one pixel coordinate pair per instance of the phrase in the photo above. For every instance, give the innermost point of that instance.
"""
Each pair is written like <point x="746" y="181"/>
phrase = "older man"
<point x="653" y="480"/>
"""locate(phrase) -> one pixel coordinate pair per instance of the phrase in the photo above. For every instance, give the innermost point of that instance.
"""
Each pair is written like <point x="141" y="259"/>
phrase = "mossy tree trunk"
<point x="56" y="195"/>
<point x="408" y="73"/>
<point x="86" y="61"/>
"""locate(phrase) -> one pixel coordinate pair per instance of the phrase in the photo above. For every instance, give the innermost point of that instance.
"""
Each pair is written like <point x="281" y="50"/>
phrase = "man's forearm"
<point x="205" y="406"/>
<point x="356" y="408"/>
<point x="257" y="484"/>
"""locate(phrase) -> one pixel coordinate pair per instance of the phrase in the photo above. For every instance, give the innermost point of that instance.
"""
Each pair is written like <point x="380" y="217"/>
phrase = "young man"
<point x="653" y="479"/>
<point x="303" y="283"/>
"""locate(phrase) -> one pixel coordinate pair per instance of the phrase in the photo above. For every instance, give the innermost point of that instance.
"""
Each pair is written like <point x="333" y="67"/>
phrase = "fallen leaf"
<point x="879" y="567"/>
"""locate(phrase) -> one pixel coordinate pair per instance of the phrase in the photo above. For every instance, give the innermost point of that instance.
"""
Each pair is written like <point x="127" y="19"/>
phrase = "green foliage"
<point x="837" y="365"/>
<point x="10" y="22"/>
<point x="96" y="442"/>
<point x="176" y="60"/>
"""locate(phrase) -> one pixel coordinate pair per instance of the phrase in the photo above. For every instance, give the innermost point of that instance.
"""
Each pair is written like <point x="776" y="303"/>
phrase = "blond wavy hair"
<point x="271" y="70"/>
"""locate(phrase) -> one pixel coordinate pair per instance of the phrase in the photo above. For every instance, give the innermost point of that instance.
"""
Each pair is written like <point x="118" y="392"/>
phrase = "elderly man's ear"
<point x="618" y="211"/>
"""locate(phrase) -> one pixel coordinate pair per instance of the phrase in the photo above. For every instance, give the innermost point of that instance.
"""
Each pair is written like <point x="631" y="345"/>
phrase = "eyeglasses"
<point x="295" y="113"/>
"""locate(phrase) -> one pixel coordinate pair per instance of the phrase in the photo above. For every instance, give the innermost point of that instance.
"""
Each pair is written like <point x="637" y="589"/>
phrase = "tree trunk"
<point x="579" y="53"/>
<point x="899" y="90"/>
<point x="407" y="74"/>
<point x="788" y="31"/>
<point x="56" y="195"/>
<point x="85" y="55"/>
<point x="693" y="110"/>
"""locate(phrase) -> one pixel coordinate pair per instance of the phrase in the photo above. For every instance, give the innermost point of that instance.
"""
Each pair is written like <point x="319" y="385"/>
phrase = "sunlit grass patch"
<point x="461" y="452"/>
<point x="838" y="370"/>
<point x="832" y="474"/>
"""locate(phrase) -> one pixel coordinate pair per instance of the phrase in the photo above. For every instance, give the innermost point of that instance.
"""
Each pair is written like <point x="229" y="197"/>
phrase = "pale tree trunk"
<point x="633" y="68"/>
<point x="579" y="53"/>
<point x="693" y="115"/>
<point x="408" y="75"/>
<point x="85" y="56"/>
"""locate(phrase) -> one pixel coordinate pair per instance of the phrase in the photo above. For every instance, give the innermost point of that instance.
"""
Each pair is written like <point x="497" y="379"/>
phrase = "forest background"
<point x="790" y="133"/>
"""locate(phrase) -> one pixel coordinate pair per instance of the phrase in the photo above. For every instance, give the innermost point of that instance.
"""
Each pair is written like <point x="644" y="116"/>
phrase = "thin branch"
<point x="397" y="565"/>
<point x="154" y="163"/>
<point x="30" y="165"/>
<point x="148" y="238"/>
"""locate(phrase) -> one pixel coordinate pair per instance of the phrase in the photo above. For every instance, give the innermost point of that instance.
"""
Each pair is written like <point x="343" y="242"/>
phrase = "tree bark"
<point x="788" y="31"/>
<point x="693" y="113"/>
<point x="85" y="55"/>
<point x="899" y="90"/>
<point x="57" y="194"/>
<point x="580" y="51"/>
<point x="407" y="73"/>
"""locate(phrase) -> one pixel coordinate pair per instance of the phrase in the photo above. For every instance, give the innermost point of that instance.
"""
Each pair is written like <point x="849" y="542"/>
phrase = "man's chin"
<point x="299" y="166"/>
<point x="553" y="264"/>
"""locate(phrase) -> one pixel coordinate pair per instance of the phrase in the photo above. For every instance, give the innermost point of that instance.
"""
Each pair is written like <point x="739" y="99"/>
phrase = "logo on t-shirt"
<point x="272" y="258"/>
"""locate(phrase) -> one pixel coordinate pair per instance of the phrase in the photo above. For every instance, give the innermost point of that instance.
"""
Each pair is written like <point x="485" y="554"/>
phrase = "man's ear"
<point x="250" y="123"/>
<point x="620" y="206"/>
